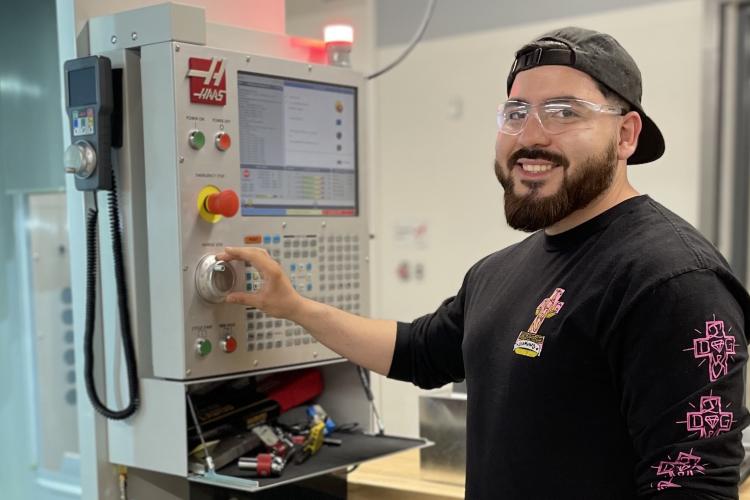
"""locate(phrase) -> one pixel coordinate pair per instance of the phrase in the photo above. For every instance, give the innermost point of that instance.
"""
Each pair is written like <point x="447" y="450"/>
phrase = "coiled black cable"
<point x="122" y="303"/>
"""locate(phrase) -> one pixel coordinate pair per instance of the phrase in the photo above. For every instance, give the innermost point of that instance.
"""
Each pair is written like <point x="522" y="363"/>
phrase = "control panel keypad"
<point x="325" y="268"/>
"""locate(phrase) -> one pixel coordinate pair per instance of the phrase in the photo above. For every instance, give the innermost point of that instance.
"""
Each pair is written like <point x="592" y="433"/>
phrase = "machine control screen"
<point x="297" y="147"/>
<point x="82" y="87"/>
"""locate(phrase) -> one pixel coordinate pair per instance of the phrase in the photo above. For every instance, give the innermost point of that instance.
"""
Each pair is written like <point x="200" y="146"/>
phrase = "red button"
<point x="229" y="344"/>
<point x="223" y="141"/>
<point x="225" y="203"/>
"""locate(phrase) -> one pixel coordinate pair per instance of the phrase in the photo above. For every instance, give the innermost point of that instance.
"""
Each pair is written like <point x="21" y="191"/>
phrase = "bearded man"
<point x="603" y="355"/>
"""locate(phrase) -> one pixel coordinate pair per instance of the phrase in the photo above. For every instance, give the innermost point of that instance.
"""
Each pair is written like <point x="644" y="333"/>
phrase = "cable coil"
<point x="122" y="303"/>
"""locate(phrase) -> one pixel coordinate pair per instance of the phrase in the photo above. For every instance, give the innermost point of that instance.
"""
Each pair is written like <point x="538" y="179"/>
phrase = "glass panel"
<point x="37" y="409"/>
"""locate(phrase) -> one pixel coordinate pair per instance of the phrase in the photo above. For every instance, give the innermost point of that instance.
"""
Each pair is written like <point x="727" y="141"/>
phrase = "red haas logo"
<point x="208" y="81"/>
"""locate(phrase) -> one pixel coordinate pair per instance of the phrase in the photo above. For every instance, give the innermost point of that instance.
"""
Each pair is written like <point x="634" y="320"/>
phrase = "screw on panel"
<point x="309" y="68"/>
<point x="113" y="39"/>
<point x="247" y="59"/>
<point x="323" y="224"/>
<point x="255" y="362"/>
<point x="188" y="371"/>
<point x="182" y="159"/>
<point x="134" y="36"/>
<point x="315" y="355"/>
<point x="184" y="269"/>
<point x="177" y="47"/>
<point x="283" y="225"/>
<point x="367" y="259"/>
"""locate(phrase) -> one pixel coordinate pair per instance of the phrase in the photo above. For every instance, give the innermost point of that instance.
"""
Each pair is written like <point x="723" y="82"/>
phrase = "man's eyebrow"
<point x="556" y="98"/>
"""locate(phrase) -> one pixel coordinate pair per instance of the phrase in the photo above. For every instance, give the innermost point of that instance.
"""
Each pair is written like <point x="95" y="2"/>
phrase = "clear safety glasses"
<point x="556" y="115"/>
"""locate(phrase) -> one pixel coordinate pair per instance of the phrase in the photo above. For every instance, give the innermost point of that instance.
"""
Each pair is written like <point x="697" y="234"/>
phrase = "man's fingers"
<point x="256" y="257"/>
<point x="241" y="298"/>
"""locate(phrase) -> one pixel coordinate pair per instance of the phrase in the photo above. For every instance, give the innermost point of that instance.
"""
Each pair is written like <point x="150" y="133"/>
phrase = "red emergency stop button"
<point x="225" y="203"/>
<point x="222" y="141"/>
<point x="229" y="344"/>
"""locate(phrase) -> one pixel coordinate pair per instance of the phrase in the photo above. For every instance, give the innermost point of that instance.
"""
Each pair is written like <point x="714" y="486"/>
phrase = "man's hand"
<point x="366" y="342"/>
<point x="276" y="297"/>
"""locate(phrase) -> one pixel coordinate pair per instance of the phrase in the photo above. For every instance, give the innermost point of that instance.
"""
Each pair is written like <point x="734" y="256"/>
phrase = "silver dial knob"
<point x="214" y="279"/>
<point x="80" y="159"/>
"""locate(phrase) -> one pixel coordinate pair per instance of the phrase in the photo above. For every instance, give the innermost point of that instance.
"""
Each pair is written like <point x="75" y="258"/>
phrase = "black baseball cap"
<point x="601" y="57"/>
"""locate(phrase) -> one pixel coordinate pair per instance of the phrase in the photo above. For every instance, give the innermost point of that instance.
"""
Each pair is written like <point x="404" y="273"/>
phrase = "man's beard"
<point x="531" y="212"/>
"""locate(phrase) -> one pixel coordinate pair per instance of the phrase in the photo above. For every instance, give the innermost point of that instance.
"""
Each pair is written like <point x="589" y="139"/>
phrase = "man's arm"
<point x="677" y="361"/>
<point x="366" y="342"/>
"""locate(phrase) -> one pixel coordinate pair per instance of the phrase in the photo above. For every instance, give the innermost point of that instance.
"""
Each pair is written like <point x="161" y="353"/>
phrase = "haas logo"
<point x="208" y="81"/>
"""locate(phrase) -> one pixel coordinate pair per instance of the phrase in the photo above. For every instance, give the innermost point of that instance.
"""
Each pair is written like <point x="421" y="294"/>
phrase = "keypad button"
<point x="278" y="344"/>
<point x="250" y="347"/>
<point x="289" y="342"/>
<point x="297" y="341"/>
<point x="306" y="340"/>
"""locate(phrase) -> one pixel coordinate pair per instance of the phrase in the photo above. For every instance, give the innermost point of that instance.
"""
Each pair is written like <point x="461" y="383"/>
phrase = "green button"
<point x="197" y="140"/>
<point x="204" y="347"/>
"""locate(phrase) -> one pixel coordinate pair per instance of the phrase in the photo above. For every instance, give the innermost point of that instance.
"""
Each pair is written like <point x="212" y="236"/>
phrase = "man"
<point x="603" y="354"/>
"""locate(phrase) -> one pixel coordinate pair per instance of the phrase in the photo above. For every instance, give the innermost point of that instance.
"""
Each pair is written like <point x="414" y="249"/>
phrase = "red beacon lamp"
<point x="338" y="39"/>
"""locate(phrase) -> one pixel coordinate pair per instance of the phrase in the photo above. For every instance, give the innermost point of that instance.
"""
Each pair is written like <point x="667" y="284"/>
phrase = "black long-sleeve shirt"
<point x="605" y="362"/>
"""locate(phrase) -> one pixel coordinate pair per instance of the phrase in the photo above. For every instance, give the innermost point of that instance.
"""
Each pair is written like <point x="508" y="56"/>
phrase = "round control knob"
<point x="214" y="279"/>
<point x="222" y="141"/>
<point x="203" y="347"/>
<point x="225" y="203"/>
<point x="80" y="159"/>
<point x="228" y="344"/>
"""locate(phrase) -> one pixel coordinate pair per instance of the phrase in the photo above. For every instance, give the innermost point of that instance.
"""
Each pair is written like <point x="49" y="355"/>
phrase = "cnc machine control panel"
<point x="248" y="151"/>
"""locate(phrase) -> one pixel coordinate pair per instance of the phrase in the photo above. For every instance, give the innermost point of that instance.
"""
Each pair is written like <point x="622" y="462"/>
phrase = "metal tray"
<point x="355" y="448"/>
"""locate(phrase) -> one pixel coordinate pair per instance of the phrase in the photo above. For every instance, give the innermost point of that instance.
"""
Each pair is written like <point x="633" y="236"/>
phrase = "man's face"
<point x="547" y="176"/>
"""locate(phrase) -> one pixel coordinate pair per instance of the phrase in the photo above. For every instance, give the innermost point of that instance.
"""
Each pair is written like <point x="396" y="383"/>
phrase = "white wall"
<point x="435" y="138"/>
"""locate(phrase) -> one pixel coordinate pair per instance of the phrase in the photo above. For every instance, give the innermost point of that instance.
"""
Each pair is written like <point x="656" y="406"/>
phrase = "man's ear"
<point x="630" y="130"/>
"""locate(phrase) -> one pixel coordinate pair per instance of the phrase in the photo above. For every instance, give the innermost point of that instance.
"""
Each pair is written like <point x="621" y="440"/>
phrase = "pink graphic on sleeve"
<point x="710" y="419"/>
<point x="687" y="464"/>
<point x="716" y="346"/>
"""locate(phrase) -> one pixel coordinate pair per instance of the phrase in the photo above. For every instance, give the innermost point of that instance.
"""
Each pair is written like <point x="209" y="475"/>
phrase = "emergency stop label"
<point x="208" y="81"/>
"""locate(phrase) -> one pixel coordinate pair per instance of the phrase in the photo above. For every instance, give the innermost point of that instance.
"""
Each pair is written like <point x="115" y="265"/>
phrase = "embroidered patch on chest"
<point x="529" y="343"/>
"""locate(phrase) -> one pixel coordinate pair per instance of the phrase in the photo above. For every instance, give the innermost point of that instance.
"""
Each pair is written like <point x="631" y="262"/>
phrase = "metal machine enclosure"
<point x="164" y="169"/>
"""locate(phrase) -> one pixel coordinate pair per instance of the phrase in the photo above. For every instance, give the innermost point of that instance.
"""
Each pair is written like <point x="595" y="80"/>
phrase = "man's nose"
<point x="533" y="134"/>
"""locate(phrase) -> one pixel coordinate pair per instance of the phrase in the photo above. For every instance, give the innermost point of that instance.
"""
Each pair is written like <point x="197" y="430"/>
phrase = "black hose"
<point x="122" y="303"/>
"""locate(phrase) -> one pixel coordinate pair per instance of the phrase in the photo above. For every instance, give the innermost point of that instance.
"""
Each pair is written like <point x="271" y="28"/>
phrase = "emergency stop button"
<point x="225" y="203"/>
<point x="222" y="141"/>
